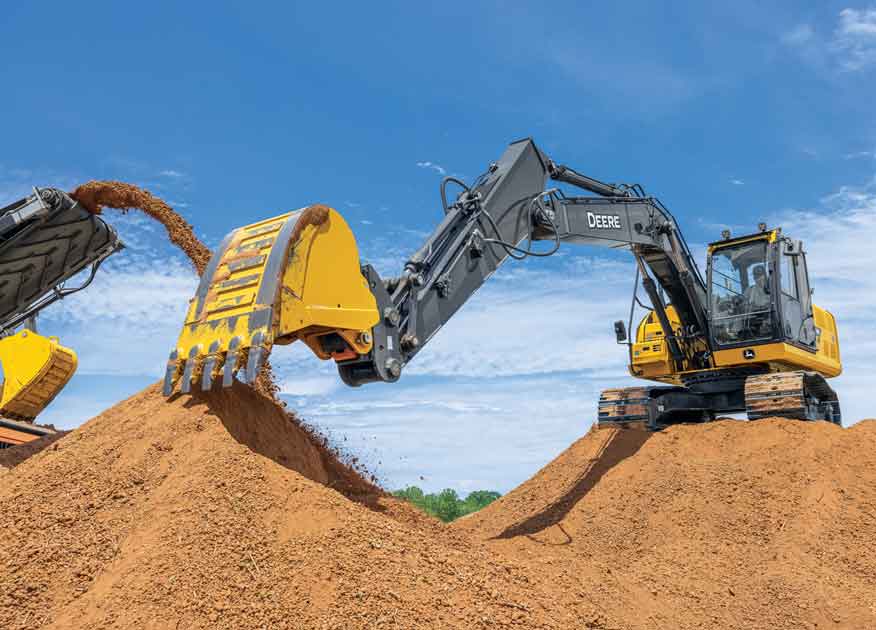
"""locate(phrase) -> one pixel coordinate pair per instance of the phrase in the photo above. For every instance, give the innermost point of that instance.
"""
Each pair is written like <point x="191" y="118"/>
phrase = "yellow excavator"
<point x="744" y="337"/>
<point x="46" y="239"/>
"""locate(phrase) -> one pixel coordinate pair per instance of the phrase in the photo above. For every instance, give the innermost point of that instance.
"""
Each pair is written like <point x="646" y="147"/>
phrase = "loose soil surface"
<point x="766" y="524"/>
<point x="222" y="511"/>
<point x="11" y="457"/>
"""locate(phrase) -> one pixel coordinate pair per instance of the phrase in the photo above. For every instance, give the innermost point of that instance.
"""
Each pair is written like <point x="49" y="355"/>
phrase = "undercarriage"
<point x="799" y="395"/>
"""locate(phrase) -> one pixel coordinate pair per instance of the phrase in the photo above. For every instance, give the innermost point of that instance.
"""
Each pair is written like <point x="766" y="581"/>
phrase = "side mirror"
<point x="620" y="331"/>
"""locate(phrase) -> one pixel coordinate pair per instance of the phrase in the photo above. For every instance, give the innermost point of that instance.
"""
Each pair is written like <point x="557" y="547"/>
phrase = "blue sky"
<point x="235" y="111"/>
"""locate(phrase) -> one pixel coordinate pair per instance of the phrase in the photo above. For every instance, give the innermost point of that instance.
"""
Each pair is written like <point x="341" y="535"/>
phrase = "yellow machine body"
<point x="650" y="357"/>
<point x="35" y="370"/>
<point x="295" y="276"/>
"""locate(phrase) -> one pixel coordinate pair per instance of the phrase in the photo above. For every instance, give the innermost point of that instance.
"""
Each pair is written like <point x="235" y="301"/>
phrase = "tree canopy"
<point x="447" y="504"/>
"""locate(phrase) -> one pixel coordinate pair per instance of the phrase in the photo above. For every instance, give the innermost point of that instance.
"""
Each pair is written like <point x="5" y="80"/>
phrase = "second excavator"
<point x="743" y="337"/>
<point x="46" y="240"/>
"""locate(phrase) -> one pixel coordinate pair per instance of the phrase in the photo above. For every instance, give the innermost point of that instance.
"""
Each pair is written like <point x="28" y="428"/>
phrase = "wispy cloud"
<point x="172" y="173"/>
<point x="840" y="266"/>
<point x="798" y="35"/>
<point x="435" y="167"/>
<point x="855" y="38"/>
<point x="737" y="182"/>
<point x="849" y="47"/>
<point x="857" y="155"/>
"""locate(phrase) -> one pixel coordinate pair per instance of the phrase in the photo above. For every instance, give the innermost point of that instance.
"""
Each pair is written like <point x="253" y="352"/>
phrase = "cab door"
<point x="794" y="294"/>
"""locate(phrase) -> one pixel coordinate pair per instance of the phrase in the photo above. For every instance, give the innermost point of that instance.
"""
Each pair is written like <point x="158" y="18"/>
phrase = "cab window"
<point x="740" y="303"/>
<point x="789" y="276"/>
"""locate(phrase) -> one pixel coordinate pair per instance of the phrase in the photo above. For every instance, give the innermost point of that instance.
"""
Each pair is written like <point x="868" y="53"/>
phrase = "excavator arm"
<point x="298" y="276"/>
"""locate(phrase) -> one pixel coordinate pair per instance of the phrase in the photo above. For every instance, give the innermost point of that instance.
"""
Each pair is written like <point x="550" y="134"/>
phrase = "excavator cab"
<point x="759" y="292"/>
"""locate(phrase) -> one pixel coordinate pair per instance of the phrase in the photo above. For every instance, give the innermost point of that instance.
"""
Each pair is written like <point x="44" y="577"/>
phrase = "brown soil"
<point x="94" y="196"/>
<point x="767" y="524"/>
<point x="222" y="512"/>
<point x="12" y="457"/>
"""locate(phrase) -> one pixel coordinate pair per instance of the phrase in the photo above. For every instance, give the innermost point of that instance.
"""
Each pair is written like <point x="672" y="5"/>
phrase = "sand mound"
<point x="769" y="524"/>
<point x="222" y="512"/>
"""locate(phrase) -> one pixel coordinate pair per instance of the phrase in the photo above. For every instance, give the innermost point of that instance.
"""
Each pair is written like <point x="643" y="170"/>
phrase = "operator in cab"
<point x="757" y="295"/>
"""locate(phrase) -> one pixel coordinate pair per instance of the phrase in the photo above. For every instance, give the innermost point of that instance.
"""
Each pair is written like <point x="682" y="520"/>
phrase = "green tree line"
<point x="447" y="504"/>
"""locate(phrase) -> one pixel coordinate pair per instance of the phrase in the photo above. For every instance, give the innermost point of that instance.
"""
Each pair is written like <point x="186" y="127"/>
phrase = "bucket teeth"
<point x="209" y="370"/>
<point x="256" y="358"/>
<point x="189" y="371"/>
<point x="207" y="375"/>
<point x="170" y="374"/>
<point x="228" y="369"/>
<point x="186" y="385"/>
<point x="230" y="366"/>
<point x="254" y="363"/>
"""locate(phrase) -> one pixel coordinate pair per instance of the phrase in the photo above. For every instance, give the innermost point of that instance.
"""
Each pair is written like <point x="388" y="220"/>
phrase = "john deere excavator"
<point x="743" y="338"/>
<point x="46" y="239"/>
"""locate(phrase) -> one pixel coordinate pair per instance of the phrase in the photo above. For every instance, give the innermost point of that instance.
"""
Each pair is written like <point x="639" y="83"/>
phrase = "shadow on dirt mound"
<point x="621" y="445"/>
<point x="266" y="428"/>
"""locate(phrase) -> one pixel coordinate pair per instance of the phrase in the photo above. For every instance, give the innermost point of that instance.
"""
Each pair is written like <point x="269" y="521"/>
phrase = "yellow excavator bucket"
<point x="295" y="276"/>
<point x="34" y="370"/>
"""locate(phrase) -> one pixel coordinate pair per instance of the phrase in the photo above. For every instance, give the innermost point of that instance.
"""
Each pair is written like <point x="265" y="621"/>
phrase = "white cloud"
<point x="435" y="167"/>
<point x="172" y="174"/>
<point x="840" y="258"/>
<point x="851" y="47"/>
<point x="855" y="155"/>
<point x="526" y="321"/>
<point x="737" y="182"/>
<point x="855" y="38"/>
<point x="431" y="432"/>
<point x="798" y="35"/>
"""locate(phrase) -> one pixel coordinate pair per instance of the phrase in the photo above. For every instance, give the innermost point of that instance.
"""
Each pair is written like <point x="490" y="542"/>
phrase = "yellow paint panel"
<point x="323" y="285"/>
<point x="36" y="369"/>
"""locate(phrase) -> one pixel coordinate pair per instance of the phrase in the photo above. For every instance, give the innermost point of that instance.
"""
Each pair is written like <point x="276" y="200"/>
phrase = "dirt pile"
<point x="96" y="195"/>
<point x="221" y="512"/>
<point x="768" y="524"/>
<point x="12" y="457"/>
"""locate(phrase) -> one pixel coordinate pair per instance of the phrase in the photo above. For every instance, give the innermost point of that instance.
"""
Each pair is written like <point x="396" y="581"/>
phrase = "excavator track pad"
<point x="295" y="276"/>
<point x="35" y="370"/>
<point x="625" y="408"/>
<point x="799" y="395"/>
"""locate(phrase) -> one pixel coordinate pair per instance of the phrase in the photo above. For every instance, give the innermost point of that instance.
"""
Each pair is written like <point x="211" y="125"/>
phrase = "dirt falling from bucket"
<point x="94" y="196"/>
